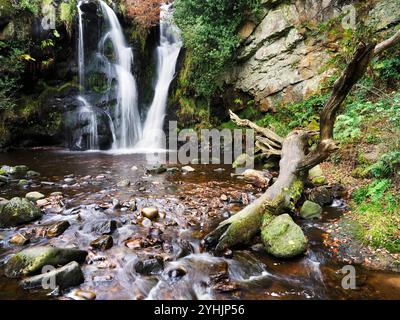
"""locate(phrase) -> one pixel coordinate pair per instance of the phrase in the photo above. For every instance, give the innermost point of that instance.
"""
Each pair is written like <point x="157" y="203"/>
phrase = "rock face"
<point x="65" y="277"/>
<point x="283" y="238"/>
<point x="280" y="61"/>
<point x="18" y="211"/>
<point x="310" y="210"/>
<point x="32" y="260"/>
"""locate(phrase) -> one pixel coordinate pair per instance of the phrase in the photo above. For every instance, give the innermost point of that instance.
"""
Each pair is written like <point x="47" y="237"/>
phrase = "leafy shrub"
<point x="210" y="32"/>
<point x="388" y="164"/>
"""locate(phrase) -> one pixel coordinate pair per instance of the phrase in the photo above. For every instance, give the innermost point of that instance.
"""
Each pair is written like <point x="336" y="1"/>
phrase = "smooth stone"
<point x="19" y="239"/>
<point x="34" y="196"/>
<point x="69" y="181"/>
<point x="65" y="277"/>
<point x="187" y="169"/>
<point x="18" y="211"/>
<point x="134" y="168"/>
<point x="150" y="213"/>
<point x="146" y="222"/>
<point x="103" y="243"/>
<point x="23" y="183"/>
<point x="32" y="260"/>
<point x="316" y="176"/>
<point x="18" y="169"/>
<point x="83" y="295"/>
<point x="310" y="210"/>
<point x="42" y="203"/>
<point x="57" y="229"/>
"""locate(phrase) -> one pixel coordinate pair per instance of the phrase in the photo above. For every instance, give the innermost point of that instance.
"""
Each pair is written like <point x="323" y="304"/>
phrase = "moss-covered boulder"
<point x="310" y="210"/>
<point x="32" y="260"/>
<point x="18" y="211"/>
<point x="316" y="176"/>
<point x="283" y="238"/>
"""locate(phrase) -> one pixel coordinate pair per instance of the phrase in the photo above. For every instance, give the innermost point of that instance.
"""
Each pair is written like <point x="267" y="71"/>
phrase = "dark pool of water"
<point x="193" y="207"/>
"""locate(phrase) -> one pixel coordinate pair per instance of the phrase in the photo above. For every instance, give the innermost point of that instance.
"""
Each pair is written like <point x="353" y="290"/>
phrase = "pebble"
<point x="187" y="169"/>
<point x="150" y="213"/>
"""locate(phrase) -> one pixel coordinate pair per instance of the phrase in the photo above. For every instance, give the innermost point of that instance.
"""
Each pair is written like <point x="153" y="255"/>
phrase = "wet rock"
<point x="83" y="295"/>
<point x="150" y="266"/>
<point x="316" y="176"/>
<point x="18" y="211"/>
<point x="32" y="174"/>
<point x="187" y="169"/>
<point x="219" y="271"/>
<point x="19" y="239"/>
<point x="105" y="227"/>
<point x="3" y="203"/>
<point x="310" y="210"/>
<point x="47" y="183"/>
<point x="4" y="180"/>
<point x="150" y="213"/>
<point x="42" y="203"/>
<point x="69" y="181"/>
<point x="32" y="260"/>
<point x="23" y="183"/>
<point x="146" y="222"/>
<point x="135" y="243"/>
<point x="173" y="169"/>
<point x="100" y="177"/>
<point x="177" y="272"/>
<point x="57" y="229"/>
<point x="321" y="195"/>
<point x="156" y="169"/>
<point x="19" y="169"/>
<point x="65" y="277"/>
<point x="34" y="196"/>
<point x="224" y="197"/>
<point x="243" y="160"/>
<point x="283" y="238"/>
<point x="102" y="243"/>
<point x="124" y="183"/>
<point x="185" y="249"/>
<point x="260" y="179"/>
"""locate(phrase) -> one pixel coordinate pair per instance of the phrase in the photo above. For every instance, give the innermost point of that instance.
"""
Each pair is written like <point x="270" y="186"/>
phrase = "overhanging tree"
<point x="295" y="160"/>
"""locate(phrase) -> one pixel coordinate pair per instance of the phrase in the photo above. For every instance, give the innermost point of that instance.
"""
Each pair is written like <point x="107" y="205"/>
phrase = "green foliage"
<point x="388" y="69"/>
<point x="32" y="6"/>
<point x="210" y="32"/>
<point x="67" y="13"/>
<point x="388" y="165"/>
<point x="377" y="209"/>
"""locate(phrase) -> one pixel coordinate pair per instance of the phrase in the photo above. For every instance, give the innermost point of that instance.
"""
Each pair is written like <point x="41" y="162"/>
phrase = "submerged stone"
<point x="103" y="243"/>
<point x="283" y="238"/>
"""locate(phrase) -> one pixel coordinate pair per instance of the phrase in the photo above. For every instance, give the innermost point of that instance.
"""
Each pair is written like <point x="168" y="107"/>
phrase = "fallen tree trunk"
<point x="279" y="198"/>
<point x="295" y="163"/>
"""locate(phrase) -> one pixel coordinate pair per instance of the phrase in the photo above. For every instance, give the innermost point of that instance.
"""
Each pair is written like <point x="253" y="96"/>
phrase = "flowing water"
<point x="87" y="115"/>
<point x="192" y="206"/>
<point x="167" y="56"/>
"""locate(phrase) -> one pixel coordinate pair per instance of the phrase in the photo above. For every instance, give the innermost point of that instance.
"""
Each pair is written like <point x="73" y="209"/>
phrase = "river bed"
<point x="191" y="206"/>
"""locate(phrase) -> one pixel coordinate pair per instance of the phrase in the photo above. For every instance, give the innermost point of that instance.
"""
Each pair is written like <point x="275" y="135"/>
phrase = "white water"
<point x="87" y="114"/>
<point x="128" y="126"/>
<point x="81" y="49"/>
<point x="167" y="56"/>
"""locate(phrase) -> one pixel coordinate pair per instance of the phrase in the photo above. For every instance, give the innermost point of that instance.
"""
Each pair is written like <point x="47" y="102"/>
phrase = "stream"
<point x="191" y="205"/>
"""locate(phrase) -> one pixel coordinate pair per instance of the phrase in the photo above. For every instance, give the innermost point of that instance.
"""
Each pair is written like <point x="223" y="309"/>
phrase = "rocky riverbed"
<point x="117" y="227"/>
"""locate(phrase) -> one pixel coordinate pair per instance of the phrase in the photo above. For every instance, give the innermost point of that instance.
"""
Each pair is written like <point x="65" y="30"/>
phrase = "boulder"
<point x="310" y="210"/>
<point x="283" y="238"/>
<point x="65" y="277"/>
<point x="316" y="176"/>
<point x="34" y="196"/>
<point x="18" y="211"/>
<point x="103" y="243"/>
<point x="32" y="260"/>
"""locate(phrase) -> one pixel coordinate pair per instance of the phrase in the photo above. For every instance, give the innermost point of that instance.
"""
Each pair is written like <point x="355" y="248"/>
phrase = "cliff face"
<point x="282" y="60"/>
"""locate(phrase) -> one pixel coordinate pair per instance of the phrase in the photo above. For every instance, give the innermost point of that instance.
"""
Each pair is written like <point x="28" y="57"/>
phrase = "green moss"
<point x="67" y="12"/>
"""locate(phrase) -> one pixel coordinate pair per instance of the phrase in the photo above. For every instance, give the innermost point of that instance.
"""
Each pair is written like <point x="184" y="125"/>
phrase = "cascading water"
<point x="88" y="116"/>
<point x="127" y="122"/>
<point x="167" y="56"/>
<point x="81" y="48"/>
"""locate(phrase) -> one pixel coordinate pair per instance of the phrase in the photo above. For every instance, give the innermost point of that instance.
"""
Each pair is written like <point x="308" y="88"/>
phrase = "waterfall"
<point x="127" y="119"/>
<point x="81" y="49"/>
<point x="167" y="56"/>
<point x="87" y="115"/>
